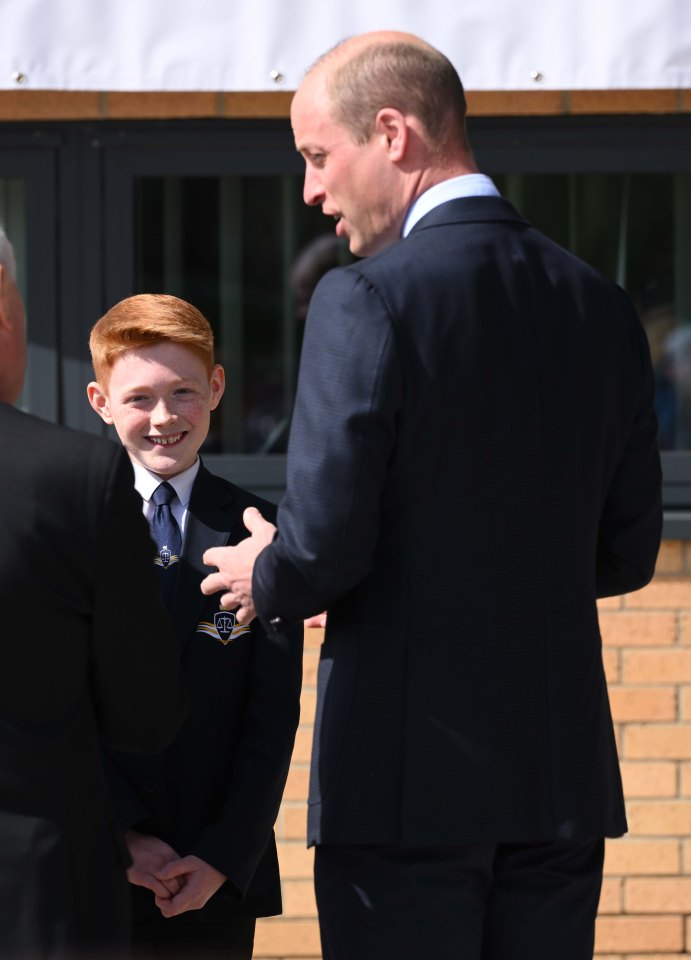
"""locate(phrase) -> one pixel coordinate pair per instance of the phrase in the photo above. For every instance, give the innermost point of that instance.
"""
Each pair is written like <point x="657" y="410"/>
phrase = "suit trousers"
<point x="461" y="902"/>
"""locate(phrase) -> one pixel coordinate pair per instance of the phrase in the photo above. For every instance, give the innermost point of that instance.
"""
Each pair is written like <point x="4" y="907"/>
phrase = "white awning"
<point x="250" y="45"/>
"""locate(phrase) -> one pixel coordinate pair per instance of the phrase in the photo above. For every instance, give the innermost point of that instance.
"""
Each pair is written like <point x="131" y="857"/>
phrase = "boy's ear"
<point x="217" y="384"/>
<point x="99" y="401"/>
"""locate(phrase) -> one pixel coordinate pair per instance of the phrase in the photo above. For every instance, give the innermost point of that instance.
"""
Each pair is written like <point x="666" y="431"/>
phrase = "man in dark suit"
<point x="199" y="817"/>
<point x="472" y="462"/>
<point x="88" y="654"/>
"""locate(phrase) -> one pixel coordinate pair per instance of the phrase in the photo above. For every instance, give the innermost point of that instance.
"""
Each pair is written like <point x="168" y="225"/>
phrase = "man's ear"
<point x="391" y="125"/>
<point x="99" y="401"/>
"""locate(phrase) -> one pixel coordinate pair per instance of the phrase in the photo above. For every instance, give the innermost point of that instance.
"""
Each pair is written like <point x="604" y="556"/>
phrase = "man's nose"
<point x="313" y="192"/>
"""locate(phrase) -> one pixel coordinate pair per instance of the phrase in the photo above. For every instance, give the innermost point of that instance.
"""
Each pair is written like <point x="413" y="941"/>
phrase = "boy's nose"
<point x="162" y="413"/>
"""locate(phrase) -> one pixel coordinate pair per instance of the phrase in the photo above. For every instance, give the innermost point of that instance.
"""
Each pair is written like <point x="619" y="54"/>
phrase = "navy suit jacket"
<point x="86" y="655"/>
<point x="216" y="791"/>
<point x="472" y="462"/>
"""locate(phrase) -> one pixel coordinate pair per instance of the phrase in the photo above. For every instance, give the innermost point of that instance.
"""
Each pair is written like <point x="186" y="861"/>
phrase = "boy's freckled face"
<point x="159" y="400"/>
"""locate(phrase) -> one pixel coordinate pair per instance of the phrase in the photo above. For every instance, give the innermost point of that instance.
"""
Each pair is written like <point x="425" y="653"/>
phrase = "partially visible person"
<point x="88" y="654"/>
<point x="200" y="816"/>
<point x="472" y="462"/>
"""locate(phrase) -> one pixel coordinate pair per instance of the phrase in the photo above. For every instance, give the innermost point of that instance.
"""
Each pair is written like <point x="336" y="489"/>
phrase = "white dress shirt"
<point x="146" y="482"/>
<point x="468" y="185"/>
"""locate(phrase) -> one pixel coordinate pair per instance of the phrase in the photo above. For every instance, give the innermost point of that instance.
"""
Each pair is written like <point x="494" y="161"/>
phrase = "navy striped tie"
<point x="165" y="533"/>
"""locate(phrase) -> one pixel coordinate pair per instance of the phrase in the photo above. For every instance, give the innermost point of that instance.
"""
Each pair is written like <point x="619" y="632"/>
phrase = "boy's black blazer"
<point x="86" y="655"/>
<point x="216" y="791"/>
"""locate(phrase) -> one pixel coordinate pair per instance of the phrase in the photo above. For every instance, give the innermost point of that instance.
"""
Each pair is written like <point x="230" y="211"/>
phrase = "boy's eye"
<point x="137" y="398"/>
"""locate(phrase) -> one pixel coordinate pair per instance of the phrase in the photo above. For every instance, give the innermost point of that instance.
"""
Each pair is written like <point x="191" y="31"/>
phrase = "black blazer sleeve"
<point x="631" y="521"/>
<point x="344" y="426"/>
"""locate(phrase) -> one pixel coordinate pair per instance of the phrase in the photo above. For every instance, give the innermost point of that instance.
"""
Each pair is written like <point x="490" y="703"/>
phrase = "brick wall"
<point x="645" y="909"/>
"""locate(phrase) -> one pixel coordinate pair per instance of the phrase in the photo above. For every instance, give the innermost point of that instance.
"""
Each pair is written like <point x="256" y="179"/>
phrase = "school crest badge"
<point x="224" y="627"/>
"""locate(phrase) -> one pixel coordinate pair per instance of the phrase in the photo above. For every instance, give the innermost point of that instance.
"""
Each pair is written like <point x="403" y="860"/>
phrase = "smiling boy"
<point x="198" y="817"/>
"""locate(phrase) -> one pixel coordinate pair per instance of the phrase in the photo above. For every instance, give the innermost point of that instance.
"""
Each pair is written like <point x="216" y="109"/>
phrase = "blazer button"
<point x="150" y="786"/>
<point x="277" y="624"/>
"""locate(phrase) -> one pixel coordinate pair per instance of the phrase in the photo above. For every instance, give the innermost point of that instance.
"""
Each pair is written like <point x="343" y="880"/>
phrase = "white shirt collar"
<point x="468" y="185"/>
<point x="145" y="482"/>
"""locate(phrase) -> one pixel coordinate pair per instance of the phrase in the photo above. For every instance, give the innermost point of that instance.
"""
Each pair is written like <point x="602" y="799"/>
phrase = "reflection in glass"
<point x="13" y="220"/>
<point x="636" y="228"/>
<point x="247" y="252"/>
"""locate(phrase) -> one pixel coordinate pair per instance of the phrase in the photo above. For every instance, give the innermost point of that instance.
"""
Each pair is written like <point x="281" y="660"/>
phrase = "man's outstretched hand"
<point x="235" y="566"/>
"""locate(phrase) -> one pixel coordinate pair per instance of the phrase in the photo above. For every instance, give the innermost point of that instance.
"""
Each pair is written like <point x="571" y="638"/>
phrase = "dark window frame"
<point x="79" y="174"/>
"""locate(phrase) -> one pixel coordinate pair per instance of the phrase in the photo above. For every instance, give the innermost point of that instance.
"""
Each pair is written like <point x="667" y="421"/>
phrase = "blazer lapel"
<point x="209" y="522"/>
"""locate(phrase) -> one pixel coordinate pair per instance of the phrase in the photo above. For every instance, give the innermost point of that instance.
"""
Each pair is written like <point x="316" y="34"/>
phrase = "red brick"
<point x="643" y="703"/>
<point x="656" y="666"/>
<point x="610" y="603"/>
<point x="611" y="895"/>
<point x="626" y="857"/>
<point x="293" y="821"/>
<point x="314" y="638"/>
<point x="637" y="628"/>
<point x="661" y="933"/>
<point x="310" y="664"/>
<point x="295" y="861"/>
<point x="671" y="557"/>
<point x="611" y="661"/>
<point x="276" y="937"/>
<point x="665" y="592"/>
<point x="685" y="703"/>
<point x="298" y="899"/>
<point x="658" y="895"/>
<point x="685" y="628"/>
<point x="649" y="779"/>
<point x="663" y="818"/>
<point x="297" y="783"/>
<point x="657" y="741"/>
<point x="308" y="706"/>
<point x="303" y="744"/>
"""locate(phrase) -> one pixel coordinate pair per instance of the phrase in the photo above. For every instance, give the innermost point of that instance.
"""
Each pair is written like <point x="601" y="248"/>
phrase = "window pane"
<point x="247" y="252"/>
<point x="636" y="228"/>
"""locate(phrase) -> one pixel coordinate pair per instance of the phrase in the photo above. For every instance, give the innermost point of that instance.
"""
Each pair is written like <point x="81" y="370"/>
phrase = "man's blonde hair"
<point x="143" y="321"/>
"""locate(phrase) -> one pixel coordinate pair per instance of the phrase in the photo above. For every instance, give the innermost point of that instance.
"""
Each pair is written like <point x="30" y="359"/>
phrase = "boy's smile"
<point x="159" y="399"/>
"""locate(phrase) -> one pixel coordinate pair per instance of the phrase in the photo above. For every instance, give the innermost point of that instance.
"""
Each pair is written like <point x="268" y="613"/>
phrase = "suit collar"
<point x="469" y="210"/>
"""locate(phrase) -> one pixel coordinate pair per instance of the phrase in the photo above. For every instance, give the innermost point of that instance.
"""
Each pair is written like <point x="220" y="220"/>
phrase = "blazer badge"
<point x="224" y="627"/>
<point x="165" y="557"/>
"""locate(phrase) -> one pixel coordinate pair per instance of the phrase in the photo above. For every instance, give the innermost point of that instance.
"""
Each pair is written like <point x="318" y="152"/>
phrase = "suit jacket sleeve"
<point x="135" y="670"/>
<point x="343" y="431"/>
<point x="236" y="841"/>
<point x="631" y="521"/>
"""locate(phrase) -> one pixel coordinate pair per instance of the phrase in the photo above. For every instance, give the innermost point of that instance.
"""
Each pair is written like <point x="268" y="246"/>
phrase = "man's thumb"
<point x="253" y="519"/>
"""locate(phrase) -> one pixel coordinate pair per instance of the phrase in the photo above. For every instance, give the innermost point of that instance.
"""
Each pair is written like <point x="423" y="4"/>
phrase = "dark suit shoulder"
<point x="62" y="463"/>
